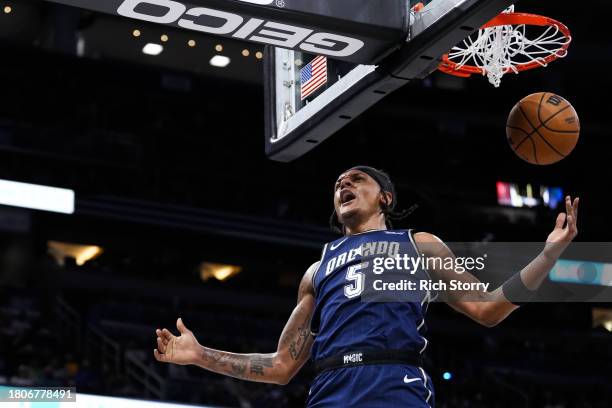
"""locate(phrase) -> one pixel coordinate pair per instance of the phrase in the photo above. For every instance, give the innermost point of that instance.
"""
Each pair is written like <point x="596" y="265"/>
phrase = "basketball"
<point x="543" y="128"/>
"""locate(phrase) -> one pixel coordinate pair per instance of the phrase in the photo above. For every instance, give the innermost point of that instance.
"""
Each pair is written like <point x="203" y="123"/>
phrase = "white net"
<point x="499" y="50"/>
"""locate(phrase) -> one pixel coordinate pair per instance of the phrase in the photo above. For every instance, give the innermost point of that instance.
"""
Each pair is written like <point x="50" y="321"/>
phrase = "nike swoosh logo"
<point x="409" y="380"/>
<point x="333" y="247"/>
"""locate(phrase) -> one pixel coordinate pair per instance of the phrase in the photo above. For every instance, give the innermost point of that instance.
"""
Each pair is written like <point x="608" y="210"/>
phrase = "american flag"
<point x="313" y="76"/>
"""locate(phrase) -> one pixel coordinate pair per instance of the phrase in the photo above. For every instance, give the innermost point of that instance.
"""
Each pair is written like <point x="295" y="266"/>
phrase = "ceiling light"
<point x="164" y="38"/>
<point x="259" y="55"/>
<point x="152" y="49"/>
<point x="220" y="272"/>
<point x="245" y="53"/>
<point x="218" y="48"/>
<point x="220" y="61"/>
<point x="8" y="9"/>
<point x="602" y="317"/>
<point x="36" y="197"/>
<point x="136" y="33"/>
<point x="79" y="252"/>
<point x="191" y="43"/>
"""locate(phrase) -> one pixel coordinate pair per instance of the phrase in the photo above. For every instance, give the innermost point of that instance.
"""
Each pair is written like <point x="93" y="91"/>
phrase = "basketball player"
<point x="367" y="354"/>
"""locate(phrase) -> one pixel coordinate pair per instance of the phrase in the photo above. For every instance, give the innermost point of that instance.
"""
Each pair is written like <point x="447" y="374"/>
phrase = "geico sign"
<point x="253" y="29"/>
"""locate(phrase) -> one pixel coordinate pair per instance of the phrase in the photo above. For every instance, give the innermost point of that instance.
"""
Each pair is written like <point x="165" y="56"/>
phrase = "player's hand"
<point x="182" y="350"/>
<point x="565" y="230"/>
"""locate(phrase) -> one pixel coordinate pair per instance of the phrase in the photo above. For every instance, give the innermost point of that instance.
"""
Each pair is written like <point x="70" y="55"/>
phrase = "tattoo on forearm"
<point x="236" y="365"/>
<point x="297" y="346"/>
<point x="219" y="361"/>
<point x="238" y="368"/>
<point x="258" y="363"/>
<point x="217" y="358"/>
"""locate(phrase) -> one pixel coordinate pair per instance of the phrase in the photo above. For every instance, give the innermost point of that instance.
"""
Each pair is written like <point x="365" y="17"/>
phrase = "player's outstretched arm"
<point x="277" y="368"/>
<point x="490" y="308"/>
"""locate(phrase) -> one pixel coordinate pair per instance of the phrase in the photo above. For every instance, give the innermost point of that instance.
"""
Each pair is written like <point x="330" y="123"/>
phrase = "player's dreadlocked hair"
<point x="388" y="209"/>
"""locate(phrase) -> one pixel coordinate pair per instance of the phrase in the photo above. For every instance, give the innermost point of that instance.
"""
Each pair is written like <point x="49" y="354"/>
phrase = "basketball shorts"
<point x="372" y="386"/>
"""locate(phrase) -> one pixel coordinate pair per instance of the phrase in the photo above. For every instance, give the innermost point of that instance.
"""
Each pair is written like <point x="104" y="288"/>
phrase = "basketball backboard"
<point x="369" y="49"/>
<point x="309" y="97"/>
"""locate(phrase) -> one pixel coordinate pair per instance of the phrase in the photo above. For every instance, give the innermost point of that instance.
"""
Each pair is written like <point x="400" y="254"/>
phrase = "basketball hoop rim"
<point x="450" y="67"/>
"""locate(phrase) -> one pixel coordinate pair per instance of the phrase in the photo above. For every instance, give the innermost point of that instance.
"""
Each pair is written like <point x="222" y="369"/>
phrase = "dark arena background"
<point x="178" y="211"/>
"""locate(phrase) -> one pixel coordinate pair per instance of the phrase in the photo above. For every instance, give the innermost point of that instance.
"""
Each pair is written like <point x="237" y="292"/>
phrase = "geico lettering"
<point x="288" y="37"/>
<point x="232" y="21"/>
<point x="174" y="10"/>
<point x="218" y="22"/>
<point x="248" y="28"/>
<point x="315" y="42"/>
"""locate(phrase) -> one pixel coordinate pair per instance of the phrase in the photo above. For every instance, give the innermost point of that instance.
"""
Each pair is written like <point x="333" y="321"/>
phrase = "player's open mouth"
<point x="346" y="197"/>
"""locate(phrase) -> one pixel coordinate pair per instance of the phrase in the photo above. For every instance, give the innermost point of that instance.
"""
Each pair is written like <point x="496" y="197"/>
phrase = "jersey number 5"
<point x="356" y="279"/>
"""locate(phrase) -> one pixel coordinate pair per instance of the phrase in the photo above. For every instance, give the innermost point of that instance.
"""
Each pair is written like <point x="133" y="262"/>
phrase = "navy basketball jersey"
<point x="348" y="316"/>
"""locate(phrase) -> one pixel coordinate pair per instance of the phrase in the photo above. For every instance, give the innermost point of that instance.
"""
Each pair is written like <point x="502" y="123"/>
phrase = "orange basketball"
<point x="543" y="128"/>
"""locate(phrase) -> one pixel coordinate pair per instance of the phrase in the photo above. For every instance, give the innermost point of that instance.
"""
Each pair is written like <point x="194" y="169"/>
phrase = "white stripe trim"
<point x="426" y="387"/>
<point x="424" y="346"/>
<point x="416" y="249"/>
<point x="420" y="324"/>
<point x="426" y="298"/>
<point x="314" y="275"/>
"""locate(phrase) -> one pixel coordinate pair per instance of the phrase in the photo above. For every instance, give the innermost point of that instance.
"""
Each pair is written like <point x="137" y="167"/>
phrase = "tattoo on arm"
<point x="217" y="358"/>
<point x="258" y="363"/>
<point x="296" y="337"/>
<point x="296" y="347"/>
<point x="238" y="366"/>
<point x="218" y="361"/>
